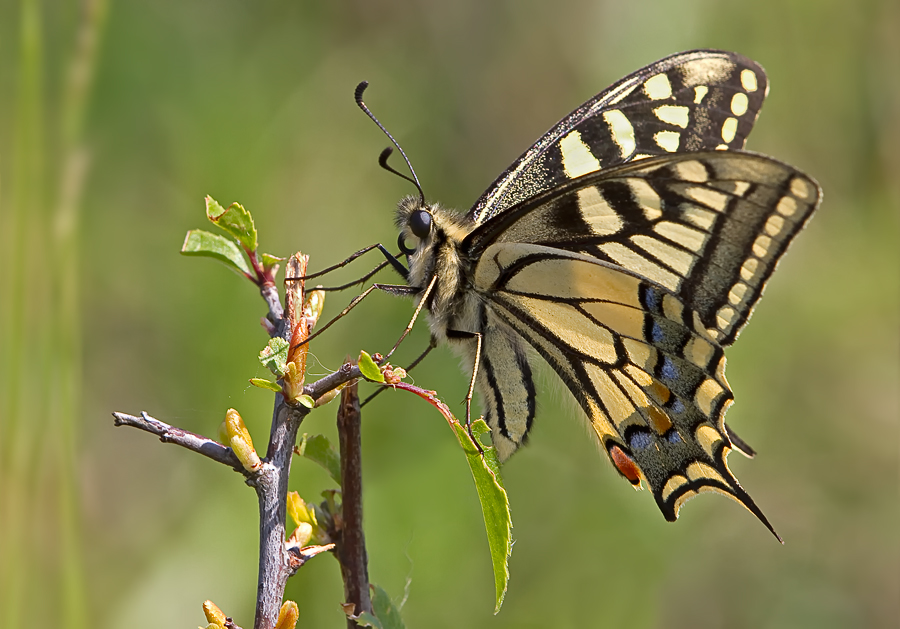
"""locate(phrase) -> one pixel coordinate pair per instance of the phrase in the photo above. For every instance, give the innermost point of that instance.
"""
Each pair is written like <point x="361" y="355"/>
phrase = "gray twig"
<point x="277" y="562"/>
<point x="271" y="484"/>
<point x="351" y="545"/>
<point x="172" y="434"/>
<point x="275" y="316"/>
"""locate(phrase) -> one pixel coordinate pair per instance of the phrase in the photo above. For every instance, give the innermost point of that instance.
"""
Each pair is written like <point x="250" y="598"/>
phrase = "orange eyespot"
<point x="625" y="464"/>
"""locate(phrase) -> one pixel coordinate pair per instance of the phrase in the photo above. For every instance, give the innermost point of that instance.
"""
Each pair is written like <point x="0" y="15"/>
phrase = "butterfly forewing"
<point x="691" y="101"/>
<point x="709" y="227"/>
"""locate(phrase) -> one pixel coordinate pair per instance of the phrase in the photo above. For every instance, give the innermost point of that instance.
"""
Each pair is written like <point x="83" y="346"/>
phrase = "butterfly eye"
<point x="420" y="223"/>
<point x="402" y="244"/>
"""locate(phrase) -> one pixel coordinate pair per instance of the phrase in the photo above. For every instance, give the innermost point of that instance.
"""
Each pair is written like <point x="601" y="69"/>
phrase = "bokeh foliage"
<point x="252" y="102"/>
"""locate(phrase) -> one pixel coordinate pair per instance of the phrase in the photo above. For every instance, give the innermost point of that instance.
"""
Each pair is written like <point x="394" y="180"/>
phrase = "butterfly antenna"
<point x="386" y="153"/>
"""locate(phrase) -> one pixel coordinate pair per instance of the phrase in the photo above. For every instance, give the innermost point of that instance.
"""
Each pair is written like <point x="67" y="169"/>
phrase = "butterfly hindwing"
<point x="505" y="383"/>
<point x="708" y="226"/>
<point x="647" y="374"/>
<point x="691" y="101"/>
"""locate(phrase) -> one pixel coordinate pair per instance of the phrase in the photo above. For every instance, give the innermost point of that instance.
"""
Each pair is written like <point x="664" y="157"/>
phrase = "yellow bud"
<point x="234" y="425"/>
<point x="304" y="517"/>
<point x="293" y="381"/>
<point x="214" y="615"/>
<point x="302" y="534"/>
<point x="312" y="309"/>
<point x="240" y="441"/>
<point x="288" y="615"/>
<point x="328" y="396"/>
<point x="296" y="508"/>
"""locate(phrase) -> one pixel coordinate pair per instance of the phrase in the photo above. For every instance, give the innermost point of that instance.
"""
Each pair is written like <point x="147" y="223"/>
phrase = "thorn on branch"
<point x="298" y="556"/>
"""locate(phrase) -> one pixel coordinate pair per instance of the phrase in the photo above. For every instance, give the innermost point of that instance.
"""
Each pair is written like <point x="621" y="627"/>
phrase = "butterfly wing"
<point x="691" y="101"/>
<point x="629" y="282"/>
<point x="641" y="365"/>
<point x="710" y="227"/>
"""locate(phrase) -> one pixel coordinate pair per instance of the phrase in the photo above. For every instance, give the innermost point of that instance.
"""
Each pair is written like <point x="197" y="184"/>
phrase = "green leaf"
<point x="213" y="209"/>
<point x="306" y="400"/>
<point x="262" y="383"/>
<point x="494" y="502"/>
<point x="385" y="610"/>
<point x="485" y="470"/>
<point x="369" y="369"/>
<point x="274" y="356"/>
<point x="198" y="242"/>
<point x="235" y="220"/>
<point x="271" y="262"/>
<point x="366" y="619"/>
<point x="318" y="449"/>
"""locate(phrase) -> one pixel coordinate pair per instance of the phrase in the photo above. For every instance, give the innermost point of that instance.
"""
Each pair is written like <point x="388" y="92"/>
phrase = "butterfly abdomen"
<point x="459" y="315"/>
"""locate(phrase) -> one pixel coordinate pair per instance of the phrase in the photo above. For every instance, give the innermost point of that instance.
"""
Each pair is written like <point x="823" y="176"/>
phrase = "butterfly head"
<point x="416" y="223"/>
<point x="424" y="227"/>
<point x="431" y="237"/>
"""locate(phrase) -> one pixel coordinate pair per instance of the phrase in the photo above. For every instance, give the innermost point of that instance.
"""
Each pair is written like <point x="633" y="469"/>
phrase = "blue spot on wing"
<point x="668" y="369"/>
<point x="656" y="333"/>
<point x="651" y="298"/>
<point x="673" y="437"/>
<point x="640" y="440"/>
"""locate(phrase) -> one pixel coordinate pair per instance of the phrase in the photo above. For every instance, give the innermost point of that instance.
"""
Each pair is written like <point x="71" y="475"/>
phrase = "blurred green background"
<point x="118" y="116"/>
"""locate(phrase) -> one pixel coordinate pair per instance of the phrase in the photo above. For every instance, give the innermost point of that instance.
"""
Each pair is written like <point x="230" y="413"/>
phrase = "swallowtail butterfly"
<point x="627" y="248"/>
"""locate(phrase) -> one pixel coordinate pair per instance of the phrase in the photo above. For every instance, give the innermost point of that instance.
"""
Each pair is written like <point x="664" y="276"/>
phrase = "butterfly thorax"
<point x="452" y="304"/>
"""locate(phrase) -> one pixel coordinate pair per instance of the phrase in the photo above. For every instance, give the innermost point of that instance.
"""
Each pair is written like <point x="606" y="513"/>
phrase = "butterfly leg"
<point x="503" y="378"/>
<point x="415" y="316"/>
<point x="457" y="334"/>
<point x="361" y="280"/>
<point x="389" y="259"/>
<point x="393" y="289"/>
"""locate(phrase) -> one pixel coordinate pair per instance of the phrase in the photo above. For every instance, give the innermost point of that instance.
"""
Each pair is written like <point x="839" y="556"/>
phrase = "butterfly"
<point x="627" y="248"/>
